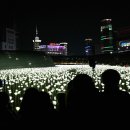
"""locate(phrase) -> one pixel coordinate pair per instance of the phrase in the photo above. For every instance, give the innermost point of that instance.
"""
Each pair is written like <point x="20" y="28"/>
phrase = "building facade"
<point x="123" y="39"/>
<point x="36" y="42"/>
<point x="8" y="39"/>
<point x="107" y="45"/>
<point x="89" y="47"/>
<point x="52" y="48"/>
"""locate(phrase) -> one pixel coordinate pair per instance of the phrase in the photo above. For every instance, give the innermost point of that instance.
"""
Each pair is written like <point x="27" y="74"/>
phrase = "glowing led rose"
<point x="55" y="79"/>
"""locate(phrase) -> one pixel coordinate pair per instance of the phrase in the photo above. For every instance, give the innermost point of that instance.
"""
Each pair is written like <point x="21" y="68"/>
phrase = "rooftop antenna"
<point x="36" y="31"/>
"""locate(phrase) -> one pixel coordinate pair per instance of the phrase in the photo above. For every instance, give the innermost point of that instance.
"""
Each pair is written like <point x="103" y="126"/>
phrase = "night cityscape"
<point x="63" y="22"/>
<point x="59" y="59"/>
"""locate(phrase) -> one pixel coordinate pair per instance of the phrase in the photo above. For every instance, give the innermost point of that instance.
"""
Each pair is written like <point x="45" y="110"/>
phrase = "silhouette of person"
<point x="81" y="101"/>
<point x="60" y="102"/>
<point x="36" y="108"/>
<point x="115" y="103"/>
<point x="111" y="78"/>
<point x="92" y="63"/>
<point x="81" y="92"/>
<point x="29" y="107"/>
<point x="6" y="113"/>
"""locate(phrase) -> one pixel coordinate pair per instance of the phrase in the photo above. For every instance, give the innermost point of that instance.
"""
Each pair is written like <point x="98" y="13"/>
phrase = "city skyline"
<point x="63" y="22"/>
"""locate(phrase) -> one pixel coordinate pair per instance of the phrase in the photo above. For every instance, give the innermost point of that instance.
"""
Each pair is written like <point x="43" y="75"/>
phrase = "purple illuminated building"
<point x="54" y="48"/>
<point x="51" y="48"/>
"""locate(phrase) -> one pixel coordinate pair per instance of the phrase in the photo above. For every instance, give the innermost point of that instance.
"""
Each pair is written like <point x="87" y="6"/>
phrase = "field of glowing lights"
<point x="54" y="79"/>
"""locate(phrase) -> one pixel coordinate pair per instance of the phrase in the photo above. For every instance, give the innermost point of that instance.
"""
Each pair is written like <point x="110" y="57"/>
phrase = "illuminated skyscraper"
<point x="36" y="41"/>
<point x="89" y="47"/>
<point x="107" y="45"/>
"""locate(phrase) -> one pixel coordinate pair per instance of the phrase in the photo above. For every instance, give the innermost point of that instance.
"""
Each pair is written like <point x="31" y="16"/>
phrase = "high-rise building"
<point x="8" y="39"/>
<point x="107" y="45"/>
<point x="89" y="47"/>
<point x="36" y="42"/>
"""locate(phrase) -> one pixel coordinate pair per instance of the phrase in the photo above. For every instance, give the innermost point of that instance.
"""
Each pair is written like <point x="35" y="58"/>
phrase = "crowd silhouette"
<point x="81" y="99"/>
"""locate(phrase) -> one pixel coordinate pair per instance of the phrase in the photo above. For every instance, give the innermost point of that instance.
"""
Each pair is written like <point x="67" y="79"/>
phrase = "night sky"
<point x="63" y="21"/>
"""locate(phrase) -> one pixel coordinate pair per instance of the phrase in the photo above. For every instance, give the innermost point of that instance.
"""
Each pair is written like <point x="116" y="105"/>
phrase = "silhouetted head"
<point x="111" y="79"/>
<point x="80" y="91"/>
<point x="83" y="83"/>
<point x="30" y="99"/>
